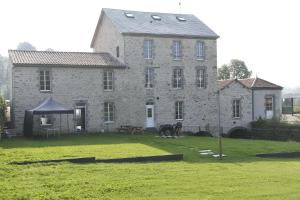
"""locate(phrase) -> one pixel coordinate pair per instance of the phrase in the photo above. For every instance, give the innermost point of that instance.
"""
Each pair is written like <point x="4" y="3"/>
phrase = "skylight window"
<point x="129" y="15"/>
<point x="181" y="19"/>
<point x="156" y="17"/>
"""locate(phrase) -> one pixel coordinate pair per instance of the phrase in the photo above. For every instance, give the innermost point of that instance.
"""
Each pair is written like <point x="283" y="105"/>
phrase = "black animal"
<point x="170" y="130"/>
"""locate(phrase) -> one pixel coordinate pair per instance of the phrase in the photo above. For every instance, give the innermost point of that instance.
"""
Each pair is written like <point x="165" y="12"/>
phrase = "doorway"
<point x="269" y="107"/>
<point x="149" y="115"/>
<point x="80" y="116"/>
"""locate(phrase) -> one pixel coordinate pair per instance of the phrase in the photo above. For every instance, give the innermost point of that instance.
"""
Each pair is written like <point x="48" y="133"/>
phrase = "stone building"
<point x="146" y="69"/>
<point x="246" y="100"/>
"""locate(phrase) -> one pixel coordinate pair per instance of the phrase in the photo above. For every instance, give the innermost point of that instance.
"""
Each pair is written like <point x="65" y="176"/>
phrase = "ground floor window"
<point x="236" y="108"/>
<point x="269" y="103"/>
<point x="108" y="112"/>
<point x="179" y="110"/>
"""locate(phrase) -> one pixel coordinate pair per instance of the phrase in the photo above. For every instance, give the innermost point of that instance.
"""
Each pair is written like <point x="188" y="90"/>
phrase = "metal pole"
<point x="68" y="123"/>
<point x="219" y="126"/>
<point x="292" y="106"/>
<point x="59" y="124"/>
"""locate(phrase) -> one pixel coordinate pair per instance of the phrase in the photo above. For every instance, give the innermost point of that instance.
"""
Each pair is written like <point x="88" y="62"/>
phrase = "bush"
<point x="275" y="129"/>
<point x="2" y="113"/>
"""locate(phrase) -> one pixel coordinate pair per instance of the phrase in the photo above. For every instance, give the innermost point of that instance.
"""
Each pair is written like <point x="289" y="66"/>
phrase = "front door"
<point x="80" y="118"/>
<point x="269" y="101"/>
<point x="149" y="116"/>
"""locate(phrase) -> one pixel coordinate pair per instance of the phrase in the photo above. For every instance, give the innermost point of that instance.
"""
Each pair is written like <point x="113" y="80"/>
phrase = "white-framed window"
<point x="177" y="50"/>
<point x="149" y="77"/>
<point x="108" y="111"/>
<point x="269" y="103"/>
<point x="200" y="53"/>
<point x="179" y="110"/>
<point x="178" y="78"/>
<point x="236" y="108"/>
<point x="200" y="78"/>
<point x="108" y="80"/>
<point x="45" y="80"/>
<point x="148" y="49"/>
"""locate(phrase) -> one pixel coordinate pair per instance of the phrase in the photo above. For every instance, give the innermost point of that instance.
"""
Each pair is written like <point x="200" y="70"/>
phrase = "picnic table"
<point x="130" y="129"/>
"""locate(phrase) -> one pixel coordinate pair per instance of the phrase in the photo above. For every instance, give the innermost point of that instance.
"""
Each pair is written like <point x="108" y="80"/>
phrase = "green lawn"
<point x="239" y="176"/>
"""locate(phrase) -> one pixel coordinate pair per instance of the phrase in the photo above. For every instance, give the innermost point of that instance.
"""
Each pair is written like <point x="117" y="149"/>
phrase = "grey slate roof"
<point x="169" y="25"/>
<point x="21" y="57"/>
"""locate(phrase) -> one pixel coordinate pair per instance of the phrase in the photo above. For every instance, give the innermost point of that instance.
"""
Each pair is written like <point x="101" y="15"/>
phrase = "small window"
<point x="181" y="19"/>
<point x="200" y="78"/>
<point x="148" y="49"/>
<point x="108" y="112"/>
<point x="200" y="51"/>
<point x="179" y="110"/>
<point x="178" y="78"/>
<point x="177" y="50"/>
<point x="156" y="17"/>
<point x="118" y="51"/>
<point x="269" y="104"/>
<point x="108" y="80"/>
<point x="236" y="108"/>
<point x="149" y="77"/>
<point x="45" y="80"/>
<point x="129" y="15"/>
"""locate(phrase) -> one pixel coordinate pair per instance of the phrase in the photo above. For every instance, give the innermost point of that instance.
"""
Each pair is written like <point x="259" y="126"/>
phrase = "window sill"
<point x="179" y="119"/>
<point x="200" y="59"/>
<point x="109" y="122"/>
<point x="235" y="118"/>
<point x="45" y="91"/>
<point x="148" y="58"/>
<point x="108" y="90"/>
<point x="177" y="88"/>
<point x="177" y="59"/>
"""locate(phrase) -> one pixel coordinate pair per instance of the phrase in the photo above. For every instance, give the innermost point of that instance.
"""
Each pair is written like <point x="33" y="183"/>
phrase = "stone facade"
<point x="73" y="85"/>
<point x="235" y="91"/>
<point x="259" y="102"/>
<point x="252" y="104"/>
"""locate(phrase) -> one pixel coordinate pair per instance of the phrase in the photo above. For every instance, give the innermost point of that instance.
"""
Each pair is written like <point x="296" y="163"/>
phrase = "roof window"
<point x="156" y="17"/>
<point x="181" y="19"/>
<point x="129" y="15"/>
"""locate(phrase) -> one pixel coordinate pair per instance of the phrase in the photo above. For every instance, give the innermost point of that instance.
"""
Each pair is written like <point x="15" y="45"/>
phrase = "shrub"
<point x="2" y="113"/>
<point x="275" y="129"/>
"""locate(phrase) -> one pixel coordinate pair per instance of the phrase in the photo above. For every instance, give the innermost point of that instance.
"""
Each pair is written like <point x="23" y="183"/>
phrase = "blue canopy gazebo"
<point x="48" y="106"/>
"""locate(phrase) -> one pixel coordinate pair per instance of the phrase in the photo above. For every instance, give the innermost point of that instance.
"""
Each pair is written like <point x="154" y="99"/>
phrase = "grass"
<point x="239" y="176"/>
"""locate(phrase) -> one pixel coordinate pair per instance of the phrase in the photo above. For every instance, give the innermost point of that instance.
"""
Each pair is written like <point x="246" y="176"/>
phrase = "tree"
<point x="235" y="69"/>
<point x="223" y="72"/>
<point x="2" y="113"/>
<point x="26" y="46"/>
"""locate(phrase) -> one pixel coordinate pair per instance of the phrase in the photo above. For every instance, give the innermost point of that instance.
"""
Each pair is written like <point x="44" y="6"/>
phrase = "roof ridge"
<point x="254" y="82"/>
<point x="153" y="12"/>
<point x="38" y="51"/>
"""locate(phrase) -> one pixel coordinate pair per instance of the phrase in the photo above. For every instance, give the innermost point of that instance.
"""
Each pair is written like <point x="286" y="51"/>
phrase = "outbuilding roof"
<point x="57" y="58"/>
<point x="154" y="23"/>
<point x="251" y="83"/>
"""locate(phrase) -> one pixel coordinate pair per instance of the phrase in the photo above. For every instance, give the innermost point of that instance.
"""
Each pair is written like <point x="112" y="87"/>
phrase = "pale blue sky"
<point x="263" y="33"/>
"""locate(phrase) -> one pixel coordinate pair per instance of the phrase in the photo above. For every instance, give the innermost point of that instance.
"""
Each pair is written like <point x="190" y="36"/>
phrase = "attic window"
<point x="129" y="15"/>
<point x="181" y="19"/>
<point x="156" y="17"/>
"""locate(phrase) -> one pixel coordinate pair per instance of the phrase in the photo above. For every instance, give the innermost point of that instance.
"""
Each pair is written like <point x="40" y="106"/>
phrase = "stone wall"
<point x="235" y="91"/>
<point x="200" y="104"/>
<point x="259" y="103"/>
